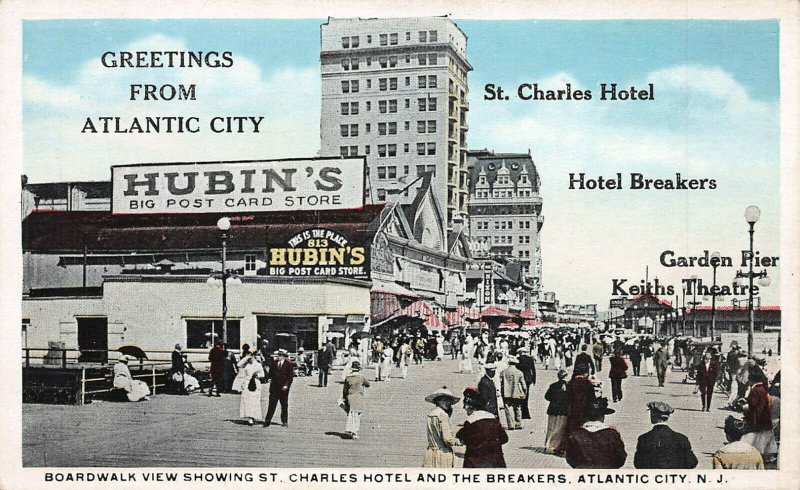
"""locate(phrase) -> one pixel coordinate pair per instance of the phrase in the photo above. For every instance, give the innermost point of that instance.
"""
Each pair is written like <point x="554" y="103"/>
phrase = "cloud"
<point x="55" y="148"/>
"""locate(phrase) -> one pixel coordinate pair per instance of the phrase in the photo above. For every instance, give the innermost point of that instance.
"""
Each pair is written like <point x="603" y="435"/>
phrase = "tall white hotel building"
<point x="395" y="90"/>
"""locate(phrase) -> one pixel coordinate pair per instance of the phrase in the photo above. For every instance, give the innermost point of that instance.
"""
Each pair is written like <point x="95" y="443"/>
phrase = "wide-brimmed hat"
<point x="442" y="392"/>
<point x="355" y="366"/>
<point x="490" y="365"/>
<point x="512" y="360"/>
<point x="599" y="406"/>
<point x="283" y="352"/>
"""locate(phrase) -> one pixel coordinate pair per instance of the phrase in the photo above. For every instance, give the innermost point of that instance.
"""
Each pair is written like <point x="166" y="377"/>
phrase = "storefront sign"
<point x="239" y="187"/>
<point x="319" y="252"/>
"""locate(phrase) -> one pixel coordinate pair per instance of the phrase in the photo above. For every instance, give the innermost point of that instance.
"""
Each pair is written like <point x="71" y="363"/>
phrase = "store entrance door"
<point x="93" y="336"/>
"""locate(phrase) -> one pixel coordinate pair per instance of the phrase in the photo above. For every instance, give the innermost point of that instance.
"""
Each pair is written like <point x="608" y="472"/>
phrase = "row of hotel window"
<point x="390" y="39"/>
<point x="503" y="179"/>
<point x="496" y="193"/>
<point x="509" y="240"/>
<point x="384" y="84"/>
<point x="388" y="150"/>
<point x="503" y="225"/>
<point x="424" y="104"/>
<point x="390" y="172"/>
<point x="423" y="59"/>
<point x="387" y="128"/>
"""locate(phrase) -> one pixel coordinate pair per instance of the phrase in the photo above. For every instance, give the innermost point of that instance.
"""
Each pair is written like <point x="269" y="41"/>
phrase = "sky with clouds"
<point x="715" y="115"/>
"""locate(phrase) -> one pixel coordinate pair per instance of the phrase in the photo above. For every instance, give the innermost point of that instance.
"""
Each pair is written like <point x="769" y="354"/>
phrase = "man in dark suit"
<point x="282" y="373"/>
<point x="488" y="390"/>
<point x="179" y="368"/>
<point x="662" y="447"/>
<point x="324" y="361"/>
<point x="584" y="358"/>
<point x="706" y="377"/>
<point x="528" y="368"/>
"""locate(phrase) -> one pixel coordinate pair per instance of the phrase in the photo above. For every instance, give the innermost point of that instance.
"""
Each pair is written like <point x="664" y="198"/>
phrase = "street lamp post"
<point x="694" y="304"/>
<point x="715" y="260"/>
<point x="751" y="215"/>
<point x="224" y="225"/>
<point x="683" y="312"/>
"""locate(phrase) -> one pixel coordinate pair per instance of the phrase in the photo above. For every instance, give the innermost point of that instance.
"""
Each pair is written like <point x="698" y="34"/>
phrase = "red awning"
<point x="495" y="311"/>
<point x="433" y="322"/>
<point x="509" y="325"/>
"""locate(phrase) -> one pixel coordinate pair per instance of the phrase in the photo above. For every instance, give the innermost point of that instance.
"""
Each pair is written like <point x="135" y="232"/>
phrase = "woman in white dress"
<point x="250" y="403"/>
<point x="240" y="379"/>
<point x="466" y="355"/>
<point x="137" y="390"/>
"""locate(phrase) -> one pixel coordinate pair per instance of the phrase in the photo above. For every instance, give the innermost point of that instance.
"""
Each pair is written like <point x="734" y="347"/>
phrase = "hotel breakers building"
<point x="395" y="90"/>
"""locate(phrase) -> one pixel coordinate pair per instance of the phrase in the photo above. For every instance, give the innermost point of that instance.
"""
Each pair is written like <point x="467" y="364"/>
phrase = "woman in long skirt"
<point x="353" y="395"/>
<point x="439" y="451"/>
<point x="556" y="412"/>
<point x="136" y="390"/>
<point x="240" y="380"/>
<point x="250" y="402"/>
<point x="758" y="417"/>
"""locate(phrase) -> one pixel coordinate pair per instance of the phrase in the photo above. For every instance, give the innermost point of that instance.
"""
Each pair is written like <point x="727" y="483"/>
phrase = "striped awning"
<point x="433" y="322"/>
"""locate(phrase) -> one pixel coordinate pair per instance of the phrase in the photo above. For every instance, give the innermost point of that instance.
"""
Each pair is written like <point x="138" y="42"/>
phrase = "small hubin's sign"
<point x="319" y="252"/>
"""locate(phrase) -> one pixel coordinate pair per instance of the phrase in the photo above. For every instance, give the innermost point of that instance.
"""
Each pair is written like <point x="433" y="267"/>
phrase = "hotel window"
<point x="382" y="106"/>
<point x="381" y="194"/>
<point x="431" y="148"/>
<point x="405" y="150"/>
<point x="346" y="63"/>
<point x="366" y="150"/>
<point x="432" y="104"/>
<point x="432" y="126"/>
<point x="367" y="127"/>
<point x="496" y="225"/>
<point x="392" y="150"/>
<point x="249" y="265"/>
<point x="354" y="86"/>
<point x="382" y="61"/>
<point x="353" y="108"/>
<point x="384" y="39"/>
<point x="393" y="83"/>
<point x="432" y="37"/>
<point x="422" y="59"/>
<point x="408" y="105"/>
<point x="420" y="168"/>
<point x="393" y="105"/>
<point x="382" y="84"/>
<point x="422" y="103"/>
<point x="354" y="130"/>
<point x="369" y="38"/>
<point x="407" y="124"/>
<point x="369" y="105"/>
<point x="344" y="129"/>
<point x="408" y="36"/>
<point x="392" y="61"/>
<point x="354" y="63"/>
<point x="382" y="129"/>
<point x="432" y="82"/>
<point x="393" y="38"/>
<point x="423" y="36"/>
<point x="344" y="151"/>
<point x="354" y="41"/>
<point x="408" y="81"/>
<point x="369" y="83"/>
<point x="353" y="151"/>
<point x="432" y="168"/>
<point x="369" y="60"/>
<point x="381" y="153"/>
<point x="392" y="128"/>
<point x="381" y="170"/>
<point x="345" y="109"/>
<point x="391" y="172"/>
<point x="432" y="59"/>
<point x="345" y="42"/>
<point x="408" y="58"/>
<point x="422" y="81"/>
<point x="421" y="126"/>
<point x="420" y="151"/>
<point x="405" y="167"/>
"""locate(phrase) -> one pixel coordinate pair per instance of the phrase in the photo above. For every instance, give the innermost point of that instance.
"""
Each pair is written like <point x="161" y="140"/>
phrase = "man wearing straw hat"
<point x="488" y="389"/>
<point x="439" y="452"/>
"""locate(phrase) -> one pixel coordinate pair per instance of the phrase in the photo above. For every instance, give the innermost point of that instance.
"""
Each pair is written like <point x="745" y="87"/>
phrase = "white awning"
<point x="392" y="288"/>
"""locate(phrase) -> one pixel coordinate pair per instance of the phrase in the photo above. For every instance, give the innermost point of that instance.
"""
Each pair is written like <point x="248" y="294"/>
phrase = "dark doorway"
<point x="303" y="330"/>
<point x="93" y="339"/>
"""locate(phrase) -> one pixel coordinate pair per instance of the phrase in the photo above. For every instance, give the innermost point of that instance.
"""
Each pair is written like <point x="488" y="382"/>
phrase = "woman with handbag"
<point x="353" y="399"/>
<point x="250" y="402"/>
